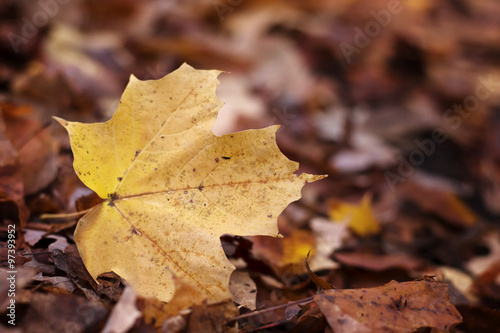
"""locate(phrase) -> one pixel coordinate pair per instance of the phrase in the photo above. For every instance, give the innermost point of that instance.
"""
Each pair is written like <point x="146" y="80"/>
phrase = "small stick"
<point x="250" y="314"/>
<point x="64" y="216"/>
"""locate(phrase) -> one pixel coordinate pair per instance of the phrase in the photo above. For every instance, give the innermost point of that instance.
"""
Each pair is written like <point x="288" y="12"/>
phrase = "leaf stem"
<point x="306" y="300"/>
<point x="64" y="216"/>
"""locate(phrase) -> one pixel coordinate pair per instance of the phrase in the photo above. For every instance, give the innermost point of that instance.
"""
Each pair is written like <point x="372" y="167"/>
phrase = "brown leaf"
<point x="111" y="285"/>
<point x="19" y="258"/>
<point x="379" y="262"/>
<point x="284" y="255"/>
<point x="34" y="146"/>
<point x="211" y="318"/>
<point x="439" y="202"/>
<point x="22" y="277"/>
<point x="11" y="182"/>
<point x="87" y="201"/>
<point x="393" y="307"/>
<point x="479" y="319"/>
<point x="203" y="318"/>
<point x="156" y="312"/>
<point x="488" y="283"/>
<point x="63" y="313"/>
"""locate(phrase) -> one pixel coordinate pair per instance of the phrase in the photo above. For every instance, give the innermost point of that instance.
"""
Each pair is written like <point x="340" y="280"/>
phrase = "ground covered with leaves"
<point x="398" y="102"/>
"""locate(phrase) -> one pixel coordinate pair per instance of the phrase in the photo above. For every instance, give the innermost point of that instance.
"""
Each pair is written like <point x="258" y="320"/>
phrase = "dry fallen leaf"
<point x="171" y="316"/>
<point x="329" y="237"/>
<point x="212" y="318"/>
<point x="480" y="264"/>
<point x="124" y="313"/>
<point x="11" y="181"/>
<point x="49" y="312"/>
<point x="285" y="256"/>
<point x="243" y="289"/>
<point x="172" y="188"/>
<point x="34" y="145"/>
<point x="393" y="307"/>
<point x="437" y="201"/>
<point x="155" y="312"/>
<point x="379" y="262"/>
<point x="360" y="216"/>
<point x="297" y="246"/>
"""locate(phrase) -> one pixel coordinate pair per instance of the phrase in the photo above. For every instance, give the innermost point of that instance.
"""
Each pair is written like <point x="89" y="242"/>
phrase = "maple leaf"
<point x="172" y="188"/>
<point x="359" y="216"/>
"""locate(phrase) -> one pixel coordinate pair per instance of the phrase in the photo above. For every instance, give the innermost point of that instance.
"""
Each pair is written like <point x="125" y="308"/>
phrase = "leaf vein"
<point x="164" y="252"/>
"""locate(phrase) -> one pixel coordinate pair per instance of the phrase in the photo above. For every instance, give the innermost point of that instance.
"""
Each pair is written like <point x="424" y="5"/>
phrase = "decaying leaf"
<point x="11" y="181"/>
<point x="156" y="312"/>
<point x="393" y="307"/>
<point x="329" y="237"/>
<point x="34" y="145"/>
<point x="124" y="314"/>
<point x="379" y="262"/>
<point x="172" y="188"/>
<point x="48" y="312"/>
<point x="23" y="277"/>
<point x="285" y="256"/>
<point x="444" y="204"/>
<point x="481" y="264"/>
<point x="170" y="317"/>
<point x="243" y="289"/>
<point x="212" y="318"/>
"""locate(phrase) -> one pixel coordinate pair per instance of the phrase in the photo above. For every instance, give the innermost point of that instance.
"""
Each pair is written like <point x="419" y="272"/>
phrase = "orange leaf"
<point x="393" y="307"/>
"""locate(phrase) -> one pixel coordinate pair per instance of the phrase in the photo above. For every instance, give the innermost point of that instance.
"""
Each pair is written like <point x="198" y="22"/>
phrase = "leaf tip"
<point x="312" y="178"/>
<point x="133" y="78"/>
<point x="61" y="121"/>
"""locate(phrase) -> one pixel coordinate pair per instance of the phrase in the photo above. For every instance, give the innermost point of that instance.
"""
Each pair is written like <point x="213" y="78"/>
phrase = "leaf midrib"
<point x="203" y="187"/>
<point x="163" y="251"/>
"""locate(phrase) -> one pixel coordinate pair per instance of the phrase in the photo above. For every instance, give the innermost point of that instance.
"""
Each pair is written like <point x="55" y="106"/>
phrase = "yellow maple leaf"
<point x="297" y="246"/>
<point x="359" y="217"/>
<point x="172" y="188"/>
